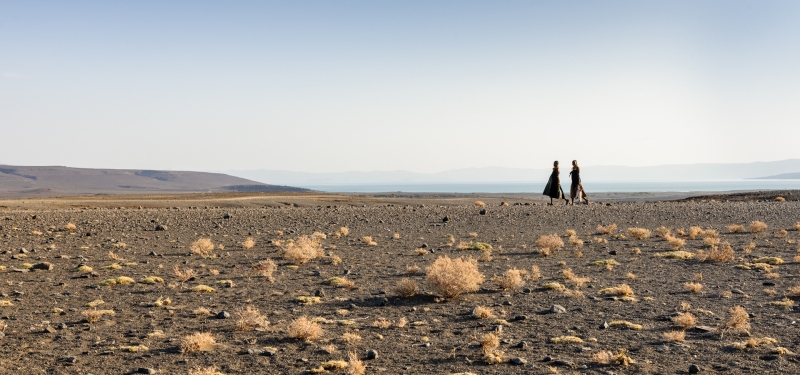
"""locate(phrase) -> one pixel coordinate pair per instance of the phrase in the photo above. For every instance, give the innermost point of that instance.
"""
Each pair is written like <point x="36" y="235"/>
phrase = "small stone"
<point x="547" y="359"/>
<point x="482" y="211"/>
<point x="346" y="272"/>
<point x="446" y="219"/>
<point x="254" y="351"/>
<point x="506" y="303"/>
<point x="520" y="317"/>
<point x="45" y="266"/>
<point x="146" y="370"/>
<point x="769" y="357"/>
<point x="612" y="252"/>
<point x="737" y="291"/>
<point x="69" y="359"/>
<point x="372" y="354"/>
<point x="49" y="329"/>
<point x="694" y="369"/>
<point x="557" y="309"/>
<point x="522" y="345"/>
<point x="527" y="290"/>
<point x="518" y="361"/>
<point x="768" y="283"/>
<point x="269" y="353"/>
<point x="424" y="246"/>
<point x="316" y="273"/>
<point x="604" y="325"/>
<point x="153" y="254"/>
<point x="22" y="250"/>
<point x="319" y="293"/>
<point x="227" y="216"/>
<point x="223" y="315"/>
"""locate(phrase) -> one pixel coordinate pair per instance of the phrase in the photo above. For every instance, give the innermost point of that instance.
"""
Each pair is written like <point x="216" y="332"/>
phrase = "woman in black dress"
<point x="553" y="188"/>
<point x="576" y="188"/>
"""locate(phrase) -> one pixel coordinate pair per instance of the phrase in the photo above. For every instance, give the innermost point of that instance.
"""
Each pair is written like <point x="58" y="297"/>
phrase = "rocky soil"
<point x="45" y="294"/>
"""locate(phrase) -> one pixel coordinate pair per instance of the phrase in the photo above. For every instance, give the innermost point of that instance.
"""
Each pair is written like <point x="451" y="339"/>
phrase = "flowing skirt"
<point x="576" y="192"/>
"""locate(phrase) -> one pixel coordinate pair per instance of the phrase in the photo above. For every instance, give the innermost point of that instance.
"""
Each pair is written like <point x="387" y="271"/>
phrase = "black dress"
<point x="553" y="188"/>
<point x="576" y="189"/>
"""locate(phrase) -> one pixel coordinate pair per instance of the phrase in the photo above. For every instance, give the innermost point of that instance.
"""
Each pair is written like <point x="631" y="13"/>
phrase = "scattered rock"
<point x="446" y="219"/>
<point x="520" y="317"/>
<point x="146" y="370"/>
<point x="227" y="216"/>
<point x="372" y="354"/>
<point x="223" y="315"/>
<point x="161" y="228"/>
<point x="255" y="351"/>
<point x="604" y="325"/>
<point x="482" y="211"/>
<point x="522" y="345"/>
<point x="269" y="352"/>
<point x="737" y="291"/>
<point x="45" y="266"/>
<point x="518" y="361"/>
<point x="557" y="309"/>
<point x="694" y="369"/>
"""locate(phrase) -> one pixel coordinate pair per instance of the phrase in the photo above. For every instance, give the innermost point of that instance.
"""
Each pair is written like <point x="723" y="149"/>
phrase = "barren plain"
<point x="121" y="285"/>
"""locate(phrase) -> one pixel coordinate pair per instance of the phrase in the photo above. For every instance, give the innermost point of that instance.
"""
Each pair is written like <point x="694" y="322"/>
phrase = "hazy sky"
<point x="383" y="85"/>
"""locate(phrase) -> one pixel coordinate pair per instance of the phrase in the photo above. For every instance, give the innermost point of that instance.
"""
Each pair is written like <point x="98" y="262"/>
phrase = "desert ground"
<point x="247" y="283"/>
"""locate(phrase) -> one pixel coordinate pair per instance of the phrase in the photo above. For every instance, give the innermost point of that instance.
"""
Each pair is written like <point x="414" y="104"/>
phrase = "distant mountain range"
<point x="22" y="182"/>
<point x="674" y="172"/>
<point x="783" y="176"/>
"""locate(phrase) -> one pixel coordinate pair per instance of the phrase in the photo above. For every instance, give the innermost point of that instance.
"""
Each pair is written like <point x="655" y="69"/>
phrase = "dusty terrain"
<point x="46" y="329"/>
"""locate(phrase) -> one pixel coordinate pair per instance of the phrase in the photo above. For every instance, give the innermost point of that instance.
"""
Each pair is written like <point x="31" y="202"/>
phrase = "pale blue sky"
<point x="378" y="85"/>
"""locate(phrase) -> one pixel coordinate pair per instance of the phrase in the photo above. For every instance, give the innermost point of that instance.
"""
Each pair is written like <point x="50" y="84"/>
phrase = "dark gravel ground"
<point x="439" y="334"/>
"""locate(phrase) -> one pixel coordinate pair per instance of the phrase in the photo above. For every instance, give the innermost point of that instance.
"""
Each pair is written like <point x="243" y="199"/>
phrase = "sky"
<point x="423" y="86"/>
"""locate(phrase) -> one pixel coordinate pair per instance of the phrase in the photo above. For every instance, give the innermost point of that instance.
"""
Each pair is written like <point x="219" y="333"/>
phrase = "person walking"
<point x="576" y="188"/>
<point x="553" y="188"/>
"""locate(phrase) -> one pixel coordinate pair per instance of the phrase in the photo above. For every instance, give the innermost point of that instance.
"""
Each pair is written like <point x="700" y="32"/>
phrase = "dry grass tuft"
<point x="93" y="316"/>
<point x="749" y="248"/>
<point x="482" y="312"/>
<point x="781" y="233"/>
<point x="694" y="232"/>
<point x="203" y="289"/>
<point x="757" y="226"/>
<point x="406" y="288"/>
<point x="639" y="233"/>
<point x="211" y="370"/>
<point x="623" y="290"/>
<point x="571" y="233"/>
<point x="723" y="253"/>
<point x="535" y="273"/>
<point x="342" y="232"/>
<point x="773" y="261"/>
<point x="70" y="227"/>
<point x="479" y="204"/>
<point x="735" y="228"/>
<point x="566" y="340"/>
<point x="489" y="342"/>
<point x="663" y="231"/>
<point x="674" y="336"/>
<point x="369" y="241"/>
<point x="303" y="250"/>
<point x="198" y="342"/>
<point x="605" y="357"/>
<point x="304" y="329"/>
<point x="608" y="229"/>
<point x="550" y="242"/>
<point x="753" y="342"/>
<point x="576" y="242"/>
<point x="266" y="268"/>
<point x="796" y="226"/>
<point x="202" y="247"/>
<point x="354" y="365"/>
<point x="780" y="199"/>
<point x="625" y="324"/>
<point x="248" y="243"/>
<point x="678" y="254"/>
<point x="249" y="318"/>
<point x="685" y="320"/>
<point x="452" y="277"/>
<point x="512" y="279"/>
<point x="183" y="275"/>
<point x="693" y="287"/>
<point x="738" y="322"/>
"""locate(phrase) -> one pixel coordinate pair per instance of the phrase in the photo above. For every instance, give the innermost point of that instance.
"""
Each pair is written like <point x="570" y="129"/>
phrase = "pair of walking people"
<point x="553" y="188"/>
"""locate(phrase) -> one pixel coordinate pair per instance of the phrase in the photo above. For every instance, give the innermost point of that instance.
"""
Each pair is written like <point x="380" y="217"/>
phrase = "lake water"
<point x="596" y="187"/>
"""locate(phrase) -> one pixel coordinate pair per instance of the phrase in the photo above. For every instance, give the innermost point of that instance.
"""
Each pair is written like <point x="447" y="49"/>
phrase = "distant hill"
<point x="783" y="176"/>
<point x="672" y="172"/>
<point x="23" y="182"/>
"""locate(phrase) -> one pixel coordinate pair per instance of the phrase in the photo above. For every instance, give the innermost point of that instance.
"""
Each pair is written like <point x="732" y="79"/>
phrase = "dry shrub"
<point x="576" y="242"/>
<point x="605" y="357"/>
<point x="70" y="227"/>
<point x="793" y="291"/>
<point x="354" y="365"/>
<point x="566" y="340"/>
<point x="723" y="253"/>
<point x="780" y="199"/>
<point x="685" y="320"/>
<point x="382" y="323"/>
<point x="183" y="275"/>
<point x="571" y="233"/>
<point x="735" y="228"/>
<point x="510" y="280"/>
<point x="489" y="342"/>
<point x="351" y="337"/>
<point x="317" y="236"/>
<point x="341" y="282"/>
<point x="406" y="288"/>
<point x="203" y="289"/>
<point x="796" y="226"/>
<point x="198" y="342"/>
<point x="479" y="204"/>
<point x="482" y="312"/>
<point x="342" y="232"/>
<point x="639" y="233"/>
<point x="663" y="231"/>
<point x="486" y="256"/>
<point x="369" y="241"/>
<point x="550" y="242"/>
<point x="248" y="243"/>
<point x="421" y="252"/>
<point x="249" y="318"/>
<point x="757" y="226"/>
<point x="304" y="329"/>
<point x="675" y="242"/>
<point x="623" y="290"/>
<point x="535" y="273"/>
<point x="115" y="257"/>
<point x="93" y="316"/>
<point x="202" y="247"/>
<point x="693" y="287"/>
<point x="711" y="241"/>
<point x="695" y="231"/>
<point x="675" y="336"/>
<point x="781" y="233"/>
<point x="710" y="233"/>
<point x="211" y="370"/>
<point x="749" y="248"/>
<point x="608" y="229"/>
<point x="266" y="268"/>
<point x="302" y="250"/>
<point x="412" y="270"/>
<point x="738" y="322"/>
<point x="625" y="324"/>
<point x="452" y="277"/>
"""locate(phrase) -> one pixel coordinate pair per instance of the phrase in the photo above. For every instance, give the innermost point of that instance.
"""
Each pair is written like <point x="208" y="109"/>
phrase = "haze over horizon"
<point x="416" y="86"/>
